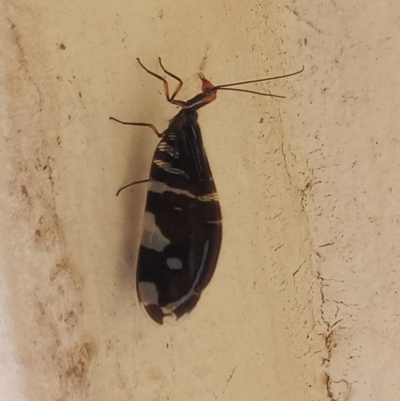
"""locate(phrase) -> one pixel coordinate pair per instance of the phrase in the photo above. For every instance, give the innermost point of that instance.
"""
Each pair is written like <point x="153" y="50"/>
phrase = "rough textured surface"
<point x="304" y="302"/>
<point x="354" y="204"/>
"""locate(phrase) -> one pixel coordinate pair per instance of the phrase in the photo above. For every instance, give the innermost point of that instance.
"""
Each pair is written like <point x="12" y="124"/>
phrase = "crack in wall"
<point x="329" y="328"/>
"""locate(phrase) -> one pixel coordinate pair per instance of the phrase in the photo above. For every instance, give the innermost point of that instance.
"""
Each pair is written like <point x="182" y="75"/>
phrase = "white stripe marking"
<point x="148" y="293"/>
<point x="173" y="305"/>
<point x="164" y="147"/>
<point x="168" y="168"/>
<point x="152" y="237"/>
<point x="174" y="263"/>
<point x="160" y="187"/>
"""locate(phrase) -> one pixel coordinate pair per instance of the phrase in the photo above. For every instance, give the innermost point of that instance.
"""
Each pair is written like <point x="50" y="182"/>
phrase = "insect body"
<point x="182" y="228"/>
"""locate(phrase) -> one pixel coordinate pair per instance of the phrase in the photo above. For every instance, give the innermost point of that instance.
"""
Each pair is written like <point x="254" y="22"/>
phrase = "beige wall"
<point x="304" y="302"/>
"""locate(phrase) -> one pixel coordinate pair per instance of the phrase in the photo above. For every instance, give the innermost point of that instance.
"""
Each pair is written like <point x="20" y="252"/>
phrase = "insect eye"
<point x="208" y="92"/>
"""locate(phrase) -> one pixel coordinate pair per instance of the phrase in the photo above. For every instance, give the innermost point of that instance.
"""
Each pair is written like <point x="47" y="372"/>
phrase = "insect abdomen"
<point x="182" y="228"/>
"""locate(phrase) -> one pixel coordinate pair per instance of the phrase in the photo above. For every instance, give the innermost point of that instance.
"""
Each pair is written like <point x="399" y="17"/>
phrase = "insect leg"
<point x="169" y="98"/>
<point x="132" y="183"/>
<point x="160" y="135"/>
<point x="179" y="87"/>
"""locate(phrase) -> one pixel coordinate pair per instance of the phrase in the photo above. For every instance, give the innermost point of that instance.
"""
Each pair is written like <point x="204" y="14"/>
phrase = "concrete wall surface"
<point x="304" y="304"/>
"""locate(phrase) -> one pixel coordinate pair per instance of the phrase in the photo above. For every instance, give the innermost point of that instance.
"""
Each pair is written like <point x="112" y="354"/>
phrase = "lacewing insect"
<point x="182" y="227"/>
